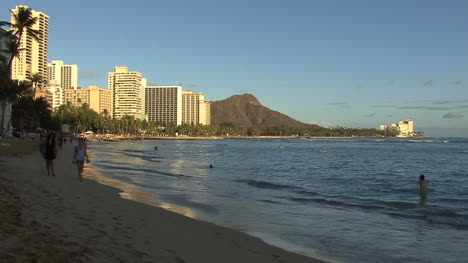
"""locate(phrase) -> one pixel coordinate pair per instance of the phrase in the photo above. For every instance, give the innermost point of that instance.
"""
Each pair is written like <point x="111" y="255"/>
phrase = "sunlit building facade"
<point x="65" y="75"/>
<point x="127" y="93"/>
<point x="76" y="97"/>
<point x="54" y="94"/>
<point x="195" y="110"/>
<point x="33" y="57"/>
<point x="406" y="127"/>
<point x="99" y="99"/>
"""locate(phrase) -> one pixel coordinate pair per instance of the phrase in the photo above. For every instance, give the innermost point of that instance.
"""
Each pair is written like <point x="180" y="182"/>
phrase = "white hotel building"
<point x="65" y="75"/>
<point x="127" y="93"/>
<point x="33" y="58"/>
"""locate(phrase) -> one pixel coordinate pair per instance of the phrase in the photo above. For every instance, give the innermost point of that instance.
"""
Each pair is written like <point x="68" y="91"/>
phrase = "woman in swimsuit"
<point x="80" y="156"/>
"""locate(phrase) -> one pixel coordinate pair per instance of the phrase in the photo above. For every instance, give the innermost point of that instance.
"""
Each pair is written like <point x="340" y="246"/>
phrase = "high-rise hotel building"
<point x="163" y="104"/>
<point x="33" y="58"/>
<point x="127" y="93"/>
<point x="65" y="75"/>
<point x="98" y="99"/>
<point x="195" y="110"/>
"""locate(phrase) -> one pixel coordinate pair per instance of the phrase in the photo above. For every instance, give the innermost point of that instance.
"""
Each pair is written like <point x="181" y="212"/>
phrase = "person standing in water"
<point x="80" y="155"/>
<point x="422" y="184"/>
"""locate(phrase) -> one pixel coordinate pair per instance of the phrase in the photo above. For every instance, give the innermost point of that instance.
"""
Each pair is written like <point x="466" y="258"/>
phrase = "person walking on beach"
<point x="50" y="153"/>
<point x="422" y="184"/>
<point x="80" y="155"/>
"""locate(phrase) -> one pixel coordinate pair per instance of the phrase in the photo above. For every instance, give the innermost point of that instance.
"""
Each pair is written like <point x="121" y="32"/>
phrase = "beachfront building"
<point x="33" y="57"/>
<point x="76" y="97"/>
<point x="65" y="75"/>
<point x="127" y="93"/>
<point x="99" y="99"/>
<point x="406" y="128"/>
<point x="403" y="128"/>
<point x="195" y="110"/>
<point x="53" y="94"/>
<point x="5" y="55"/>
<point x="163" y="104"/>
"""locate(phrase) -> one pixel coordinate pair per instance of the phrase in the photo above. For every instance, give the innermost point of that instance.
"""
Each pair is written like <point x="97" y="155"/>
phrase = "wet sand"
<point x="60" y="219"/>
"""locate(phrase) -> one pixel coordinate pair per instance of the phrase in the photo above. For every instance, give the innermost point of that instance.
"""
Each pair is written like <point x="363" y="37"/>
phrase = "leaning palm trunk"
<point x="2" y="131"/>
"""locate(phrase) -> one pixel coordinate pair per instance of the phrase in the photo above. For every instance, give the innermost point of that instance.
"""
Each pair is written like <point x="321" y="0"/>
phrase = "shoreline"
<point x="59" y="218"/>
<point x="123" y="138"/>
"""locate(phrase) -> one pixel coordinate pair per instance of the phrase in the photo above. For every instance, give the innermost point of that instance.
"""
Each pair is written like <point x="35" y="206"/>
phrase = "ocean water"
<point x="340" y="200"/>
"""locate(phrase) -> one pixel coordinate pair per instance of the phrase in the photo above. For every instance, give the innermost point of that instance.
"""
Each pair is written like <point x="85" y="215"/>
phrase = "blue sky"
<point x="347" y="63"/>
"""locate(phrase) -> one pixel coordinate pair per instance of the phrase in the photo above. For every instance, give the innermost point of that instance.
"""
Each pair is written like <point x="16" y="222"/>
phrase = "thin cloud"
<point x="424" y="108"/>
<point x="383" y="106"/>
<point x="321" y="123"/>
<point x="191" y="86"/>
<point x="461" y="107"/>
<point x="455" y="82"/>
<point x="88" y="75"/>
<point x="391" y="82"/>
<point x="437" y="108"/>
<point x="449" y="101"/>
<point x="428" y="83"/>
<point x="370" y="115"/>
<point x="340" y="104"/>
<point x="267" y="82"/>
<point x="411" y="108"/>
<point x="453" y="115"/>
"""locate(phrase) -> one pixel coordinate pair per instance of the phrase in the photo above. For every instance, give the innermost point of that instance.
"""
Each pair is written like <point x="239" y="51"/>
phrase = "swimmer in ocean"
<point x="422" y="184"/>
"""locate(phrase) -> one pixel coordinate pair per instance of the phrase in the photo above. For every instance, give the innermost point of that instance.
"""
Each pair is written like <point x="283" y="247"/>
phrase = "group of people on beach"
<point x="48" y="149"/>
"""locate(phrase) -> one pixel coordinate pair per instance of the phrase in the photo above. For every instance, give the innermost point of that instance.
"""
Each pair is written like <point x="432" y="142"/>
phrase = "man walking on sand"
<point x="80" y="155"/>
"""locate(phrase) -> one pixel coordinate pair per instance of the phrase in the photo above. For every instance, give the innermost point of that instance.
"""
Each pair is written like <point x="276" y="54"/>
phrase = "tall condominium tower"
<point x="164" y="104"/>
<point x="127" y="93"/>
<point x="65" y="75"/>
<point x="195" y="110"/>
<point x="33" y="57"/>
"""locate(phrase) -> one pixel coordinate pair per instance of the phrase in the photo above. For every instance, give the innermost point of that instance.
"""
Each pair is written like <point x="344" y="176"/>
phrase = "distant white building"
<point x="65" y="75"/>
<point x="54" y="94"/>
<point x="404" y="128"/>
<point x="127" y="93"/>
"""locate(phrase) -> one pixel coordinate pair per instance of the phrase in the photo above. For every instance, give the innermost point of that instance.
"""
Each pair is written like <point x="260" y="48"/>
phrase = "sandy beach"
<point x="60" y="219"/>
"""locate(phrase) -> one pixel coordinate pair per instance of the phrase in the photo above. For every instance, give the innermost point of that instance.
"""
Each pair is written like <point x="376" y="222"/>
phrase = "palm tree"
<point x="35" y="78"/>
<point x="22" y="22"/>
<point x="10" y="93"/>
